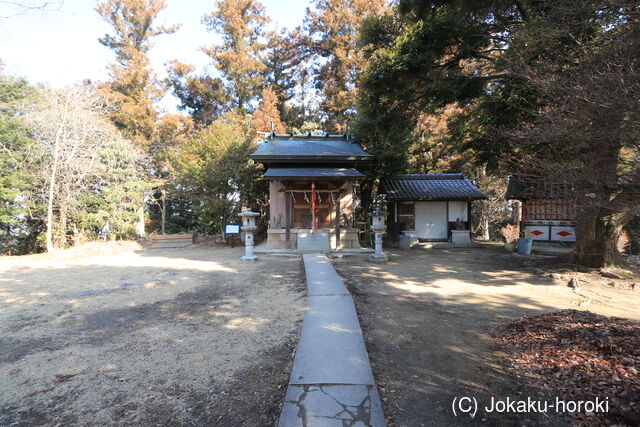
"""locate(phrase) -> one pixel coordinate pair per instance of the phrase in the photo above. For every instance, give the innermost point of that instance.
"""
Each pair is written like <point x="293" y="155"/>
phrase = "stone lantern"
<point x="378" y="226"/>
<point x="248" y="226"/>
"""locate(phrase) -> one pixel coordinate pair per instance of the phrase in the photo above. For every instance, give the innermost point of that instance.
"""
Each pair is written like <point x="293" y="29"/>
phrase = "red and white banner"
<point x="563" y="233"/>
<point x="536" y="232"/>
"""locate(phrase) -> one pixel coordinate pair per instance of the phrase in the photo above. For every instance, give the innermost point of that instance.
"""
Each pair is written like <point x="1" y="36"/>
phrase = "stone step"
<point x="313" y="243"/>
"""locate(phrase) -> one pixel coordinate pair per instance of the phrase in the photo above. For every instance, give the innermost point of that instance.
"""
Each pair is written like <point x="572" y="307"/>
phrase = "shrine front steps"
<point x="309" y="243"/>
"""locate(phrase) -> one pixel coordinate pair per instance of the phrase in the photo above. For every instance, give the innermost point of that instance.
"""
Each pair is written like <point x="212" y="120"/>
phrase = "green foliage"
<point x="332" y="27"/>
<point x="284" y="67"/>
<point x="438" y="53"/>
<point x="214" y="174"/>
<point x="16" y="146"/>
<point x="98" y="176"/>
<point x="14" y="180"/>
<point x="203" y="97"/>
<point x="114" y="202"/>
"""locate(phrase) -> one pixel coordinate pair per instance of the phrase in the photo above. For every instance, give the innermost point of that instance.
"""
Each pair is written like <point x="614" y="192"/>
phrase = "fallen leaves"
<point x="578" y="355"/>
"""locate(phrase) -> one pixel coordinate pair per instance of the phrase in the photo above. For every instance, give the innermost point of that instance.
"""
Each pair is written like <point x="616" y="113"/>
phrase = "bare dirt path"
<point x="427" y="317"/>
<point x="124" y="335"/>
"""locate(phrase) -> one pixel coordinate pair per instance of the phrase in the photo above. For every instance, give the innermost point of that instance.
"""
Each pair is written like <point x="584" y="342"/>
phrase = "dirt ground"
<point x="119" y="334"/>
<point x="427" y="316"/>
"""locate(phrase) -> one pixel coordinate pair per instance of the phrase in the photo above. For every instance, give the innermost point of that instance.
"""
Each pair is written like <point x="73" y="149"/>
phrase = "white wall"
<point x="431" y="220"/>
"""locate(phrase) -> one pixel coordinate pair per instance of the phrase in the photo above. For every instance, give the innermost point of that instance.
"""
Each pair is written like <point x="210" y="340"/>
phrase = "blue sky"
<point x="61" y="46"/>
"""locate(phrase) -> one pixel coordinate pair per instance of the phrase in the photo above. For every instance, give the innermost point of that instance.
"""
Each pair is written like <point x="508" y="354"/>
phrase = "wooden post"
<point x="287" y="209"/>
<point x="448" y="228"/>
<point x="314" y="220"/>
<point x="337" y="202"/>
<point x="517" y="213"/>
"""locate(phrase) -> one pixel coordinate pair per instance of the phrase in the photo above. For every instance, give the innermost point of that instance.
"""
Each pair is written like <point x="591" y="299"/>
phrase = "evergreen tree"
<point x="286" y="72"/>
<point x="114" y="202"/>
<point x="266" y="118"/>
<point x="203" y="97"/>
<point x="133" y="88"/>
<point x="239" y="58"/>
<point x="332" y="27"/>
<point x="17" y="149"/>
<point x="437" y="53"/>
<point x="173" y="131"/>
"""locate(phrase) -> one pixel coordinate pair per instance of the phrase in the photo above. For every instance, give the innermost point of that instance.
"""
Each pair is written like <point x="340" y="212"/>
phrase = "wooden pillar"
<point x="393" y="228"/>
<point x="448" y="227"/>
<point x="337" y="202"/>
<point x="287" y="210"/>
<point x="517" y="213"/>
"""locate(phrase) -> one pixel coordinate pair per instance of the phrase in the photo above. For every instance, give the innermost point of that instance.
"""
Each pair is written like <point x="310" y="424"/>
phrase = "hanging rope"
<point x="306" y="198"/>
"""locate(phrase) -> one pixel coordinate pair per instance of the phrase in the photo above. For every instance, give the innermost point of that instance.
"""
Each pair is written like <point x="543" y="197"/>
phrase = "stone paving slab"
<point x="331" y="349"/>
<point x="322" y="278"/>
<point x="329" y="405"/>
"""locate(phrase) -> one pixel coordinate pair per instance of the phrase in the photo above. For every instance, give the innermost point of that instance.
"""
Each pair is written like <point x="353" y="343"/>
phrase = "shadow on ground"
<point x="427" y="316"/>
<point x="186" y="336"/>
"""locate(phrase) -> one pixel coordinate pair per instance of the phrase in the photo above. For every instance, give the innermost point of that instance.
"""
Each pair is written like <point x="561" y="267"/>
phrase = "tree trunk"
<point x="517" y="213"/>
<point x="163" y="212"/>
<point x="484" y="208"/>
<point x="52" y="185"/>
<point x="54" y="172"/>
<point x="484" y="222"/>
<point x="598" y="227"/>
<point x="62" y="232"/>
<point x="140" y="226"/>
<point x="366" y="189"/>
<point x="596" y="239"/>
<point x="222" y="230"/>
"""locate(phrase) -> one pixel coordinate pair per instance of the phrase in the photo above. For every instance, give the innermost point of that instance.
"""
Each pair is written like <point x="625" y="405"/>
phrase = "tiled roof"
<point x="309" y="173"/>
<point x="451" y="186"/>
<point x="332" y="147"/>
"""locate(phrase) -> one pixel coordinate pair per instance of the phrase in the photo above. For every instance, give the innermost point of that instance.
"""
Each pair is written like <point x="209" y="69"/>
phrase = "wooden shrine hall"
<point x="311" y="188"/>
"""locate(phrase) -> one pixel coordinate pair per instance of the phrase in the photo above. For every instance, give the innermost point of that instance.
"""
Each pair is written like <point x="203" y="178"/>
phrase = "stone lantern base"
<point x="248" y="258"/>
<point x="378" y="258"/>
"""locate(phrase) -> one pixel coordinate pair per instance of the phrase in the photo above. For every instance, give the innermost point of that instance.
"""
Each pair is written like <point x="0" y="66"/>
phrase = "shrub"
<point x="510" y="232"/>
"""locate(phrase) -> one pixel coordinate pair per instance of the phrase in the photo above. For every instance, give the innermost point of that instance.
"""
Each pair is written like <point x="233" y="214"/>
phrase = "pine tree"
<point x="121" y="186"/>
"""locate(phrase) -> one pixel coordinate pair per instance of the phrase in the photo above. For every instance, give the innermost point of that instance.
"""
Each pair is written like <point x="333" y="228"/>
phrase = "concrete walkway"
<point x="331" y="382"/>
